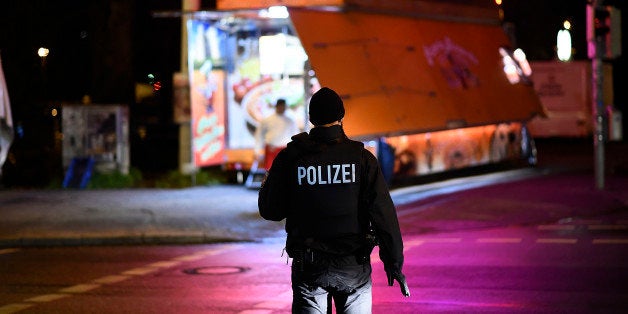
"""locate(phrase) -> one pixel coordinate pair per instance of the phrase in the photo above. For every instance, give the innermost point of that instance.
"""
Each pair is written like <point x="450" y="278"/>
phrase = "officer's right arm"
<point x="272" y="200"/>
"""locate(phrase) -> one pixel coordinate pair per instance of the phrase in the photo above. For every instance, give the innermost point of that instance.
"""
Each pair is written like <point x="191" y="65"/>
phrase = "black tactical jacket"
<point x="330" y="189"/>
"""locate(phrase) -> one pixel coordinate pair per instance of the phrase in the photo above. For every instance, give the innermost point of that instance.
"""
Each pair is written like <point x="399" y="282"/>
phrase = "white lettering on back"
<point x="326" y="174"/>
<point x="336" y="172"/>
<point x="311" y="175"/>
<point x="300" y="174"/>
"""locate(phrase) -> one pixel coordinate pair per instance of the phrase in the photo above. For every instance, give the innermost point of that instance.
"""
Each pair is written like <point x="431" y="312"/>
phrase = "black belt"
<point x="309" y="256"/>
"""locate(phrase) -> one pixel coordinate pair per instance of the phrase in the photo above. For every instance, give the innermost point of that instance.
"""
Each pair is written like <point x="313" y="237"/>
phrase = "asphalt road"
<point x="575" y="266"/>
<point x="541" y="240"/>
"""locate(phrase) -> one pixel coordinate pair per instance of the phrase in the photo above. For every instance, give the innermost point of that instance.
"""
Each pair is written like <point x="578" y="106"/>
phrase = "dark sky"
<point x="81" y="35"/>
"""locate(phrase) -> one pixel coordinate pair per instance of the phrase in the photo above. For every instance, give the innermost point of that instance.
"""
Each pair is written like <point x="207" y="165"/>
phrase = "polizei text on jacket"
<point x="326" y="174"/>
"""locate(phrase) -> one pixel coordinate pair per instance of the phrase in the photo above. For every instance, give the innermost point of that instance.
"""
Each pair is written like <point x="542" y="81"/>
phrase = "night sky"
<point x="102" y="48"/>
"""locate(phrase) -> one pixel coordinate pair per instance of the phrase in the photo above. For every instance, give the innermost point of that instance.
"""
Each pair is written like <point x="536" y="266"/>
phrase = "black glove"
<point x="401" y="279"/>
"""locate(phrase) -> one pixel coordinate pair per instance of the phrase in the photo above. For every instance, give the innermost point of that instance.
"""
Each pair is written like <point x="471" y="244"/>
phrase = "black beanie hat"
<point x="326" y="107"/>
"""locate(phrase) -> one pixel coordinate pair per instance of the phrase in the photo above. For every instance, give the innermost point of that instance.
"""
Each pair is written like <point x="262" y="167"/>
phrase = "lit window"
<point x="516" y="66"/>
<point x="275" y="12"/>
<point x="520" y="56"/>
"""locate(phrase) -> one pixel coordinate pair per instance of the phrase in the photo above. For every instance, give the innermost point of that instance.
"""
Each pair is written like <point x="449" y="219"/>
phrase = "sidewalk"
<point x="549" y="193"/>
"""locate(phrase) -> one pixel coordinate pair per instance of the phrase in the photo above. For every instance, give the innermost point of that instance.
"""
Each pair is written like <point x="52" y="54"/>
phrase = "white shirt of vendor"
<point x="274" y="130"/>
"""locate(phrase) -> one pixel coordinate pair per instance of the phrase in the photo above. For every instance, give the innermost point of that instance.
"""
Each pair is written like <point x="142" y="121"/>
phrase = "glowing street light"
<point x="43" y="52"/>
<point x="567" y="25"/>
<point x="563" y="43"/>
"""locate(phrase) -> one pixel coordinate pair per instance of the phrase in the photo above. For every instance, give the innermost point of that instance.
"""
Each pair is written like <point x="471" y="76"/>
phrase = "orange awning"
<point x="401" y="75"/>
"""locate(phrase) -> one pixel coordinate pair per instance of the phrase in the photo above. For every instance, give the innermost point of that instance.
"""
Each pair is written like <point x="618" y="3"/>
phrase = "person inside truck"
<point x="273" y="134"/>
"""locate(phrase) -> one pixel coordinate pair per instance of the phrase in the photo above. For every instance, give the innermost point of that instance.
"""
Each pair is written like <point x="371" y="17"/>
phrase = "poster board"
<point x="99" y="132"/>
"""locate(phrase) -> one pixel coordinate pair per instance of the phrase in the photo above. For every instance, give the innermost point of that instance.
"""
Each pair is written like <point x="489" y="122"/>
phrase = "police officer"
<point x="336" y="203"/>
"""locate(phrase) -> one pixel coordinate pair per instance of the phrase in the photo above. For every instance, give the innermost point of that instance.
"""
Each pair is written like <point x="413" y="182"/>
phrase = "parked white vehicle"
<point x="6" y="120"/>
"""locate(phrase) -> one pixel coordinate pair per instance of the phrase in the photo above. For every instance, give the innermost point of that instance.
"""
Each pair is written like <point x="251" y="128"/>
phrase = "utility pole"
<point x="186" y="157"/>
<point x="597" y="88"/>
<point x="604" y="42"/>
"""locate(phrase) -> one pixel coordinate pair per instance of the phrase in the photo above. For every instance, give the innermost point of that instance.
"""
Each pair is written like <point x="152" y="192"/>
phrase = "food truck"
<point x="436" y="84"/>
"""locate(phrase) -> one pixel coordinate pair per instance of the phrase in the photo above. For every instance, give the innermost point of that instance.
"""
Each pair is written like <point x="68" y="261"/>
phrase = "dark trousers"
<point x="345" y="279"/>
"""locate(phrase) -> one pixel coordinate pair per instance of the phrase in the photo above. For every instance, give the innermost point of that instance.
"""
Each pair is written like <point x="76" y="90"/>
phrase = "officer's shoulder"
<point x="300" y="136"/>
<point x="357" y="144"/>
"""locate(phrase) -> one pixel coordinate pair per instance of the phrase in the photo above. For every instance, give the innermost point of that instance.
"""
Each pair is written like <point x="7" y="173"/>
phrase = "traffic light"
<point x="156" y="86"/>
<point x="152" y="80"/>
<point x="604" y="23"/>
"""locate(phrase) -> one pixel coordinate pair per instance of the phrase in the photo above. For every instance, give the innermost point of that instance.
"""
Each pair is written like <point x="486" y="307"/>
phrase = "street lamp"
<point x="43" y="53"/>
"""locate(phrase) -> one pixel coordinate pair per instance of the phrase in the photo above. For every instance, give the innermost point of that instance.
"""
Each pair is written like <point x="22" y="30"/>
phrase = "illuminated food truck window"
<point x="281" y="54"/>
<point x="275" y="12"/>
<point x="258" y="60"/>
<point x="272" y="53"/>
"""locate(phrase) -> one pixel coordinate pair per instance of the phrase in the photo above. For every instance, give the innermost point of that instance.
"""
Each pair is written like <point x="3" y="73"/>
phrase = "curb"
<point x="411" y="194"/>
<point x="116" y="241"/>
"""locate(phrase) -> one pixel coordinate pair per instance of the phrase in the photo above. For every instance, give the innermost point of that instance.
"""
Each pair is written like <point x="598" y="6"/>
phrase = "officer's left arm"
<point x="383" y="216"/>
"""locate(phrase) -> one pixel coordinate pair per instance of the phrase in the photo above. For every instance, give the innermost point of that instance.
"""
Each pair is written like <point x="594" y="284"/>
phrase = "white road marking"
<point x="590" y="225"/>
<point x="556" y="227"/>
<point x="80" y="288"/>
<point x="499" y="240"/>
<point x="442" y="240"/>
<point x="189" y="258"/>
<point x="557" y="241"/>
<point x="608" y="227"/>
<point x="14" y="308"/>
<point x="48" y="297"/>
<point x="140" y="271"/>
<point x="413" y="243"/>
<point x="111" y="279"/>
<point x="97" y="283"/>
<point x="202" y="254"/>
<point x="165" y="264"/>
<point x="218" y="250"/>
<point x="610" y="241"/>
